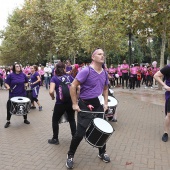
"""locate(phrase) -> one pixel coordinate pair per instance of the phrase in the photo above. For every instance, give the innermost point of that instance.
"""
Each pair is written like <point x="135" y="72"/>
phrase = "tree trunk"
<point x="162" y="53"/>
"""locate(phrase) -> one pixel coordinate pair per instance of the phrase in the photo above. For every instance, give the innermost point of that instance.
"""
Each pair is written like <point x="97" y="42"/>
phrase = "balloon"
<point x="154" y="63"/>
<point x="117" y="75"/>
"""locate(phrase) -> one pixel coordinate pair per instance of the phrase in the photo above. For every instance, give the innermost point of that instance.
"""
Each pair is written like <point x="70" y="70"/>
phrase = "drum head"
<point x="103" y="125"/>
<point x="111" y="101"/>
<point x="20" y="99"/>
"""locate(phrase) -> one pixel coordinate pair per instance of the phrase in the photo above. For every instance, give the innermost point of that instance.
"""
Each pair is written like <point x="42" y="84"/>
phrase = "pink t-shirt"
<point x="112" y="71"/>
<point x="119" y="71"/>
<point x="27" y="70"/>
<point x="154" y="70"/>
<point x="133" y="70"/>
<point x="41" y="72"/>
<point x="124" y="66"/>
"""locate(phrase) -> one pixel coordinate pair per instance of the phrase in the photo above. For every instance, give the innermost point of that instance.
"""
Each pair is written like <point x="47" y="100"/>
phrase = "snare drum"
<point x="20" y="106"/>
<point x="112" y="104"/>
<point x="64" y="118"/>
<point x="98" y="132"/>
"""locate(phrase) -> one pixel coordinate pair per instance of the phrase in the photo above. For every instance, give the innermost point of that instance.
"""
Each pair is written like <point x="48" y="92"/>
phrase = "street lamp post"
<point x="130" y="48"/>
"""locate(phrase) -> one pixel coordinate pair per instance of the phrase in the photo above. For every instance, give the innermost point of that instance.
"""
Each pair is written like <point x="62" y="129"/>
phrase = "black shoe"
<point x="26" y="121"/>
<point x="104" y="157"/>
<point x="69" y="162"/>
<point x="165" y="137"/>
<point x="33" y="107"/>
<point x="7" y="125"/>
<point x="53" y="141"/>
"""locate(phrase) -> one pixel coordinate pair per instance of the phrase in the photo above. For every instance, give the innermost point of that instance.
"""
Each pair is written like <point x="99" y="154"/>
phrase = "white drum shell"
<point x="20" y="105"/>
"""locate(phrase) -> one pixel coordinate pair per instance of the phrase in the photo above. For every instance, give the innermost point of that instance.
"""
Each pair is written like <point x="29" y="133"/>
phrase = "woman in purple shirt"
<point x="93" y="82"/>
<point x="35" y="86"/>
<point x="61" y="106"/>
<point x="15" y="83"/>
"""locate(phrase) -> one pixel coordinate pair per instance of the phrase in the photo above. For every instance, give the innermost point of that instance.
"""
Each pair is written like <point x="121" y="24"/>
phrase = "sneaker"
<point x="105" y="158"/>
<point x="69" y="162"/>
<point x="165" y="137"/>
<point x="7" y="125"/>
<point x="114" y="120"/>
<point x="26" y="122"/>
<point x="33" y="107"/>
<point x="53" y="141"/>
<point x="40" y="108"/>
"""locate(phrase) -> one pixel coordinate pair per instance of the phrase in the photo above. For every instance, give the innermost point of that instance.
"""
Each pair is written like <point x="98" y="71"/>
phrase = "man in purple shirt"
<point x="93" y="82"/>
<point x="15" y="83"/>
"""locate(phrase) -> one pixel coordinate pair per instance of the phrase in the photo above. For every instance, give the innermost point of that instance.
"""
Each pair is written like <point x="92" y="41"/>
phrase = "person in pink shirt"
<point x="124" y="69"/>
<point x="149" y="77"/>
<point x="132" y="76"/>
<point x="41" y="73"/>
<point x="119" y="73"/>
<point x="112" y="72"/>
<point x="27" y="70"/>
<point x="144" y="71"/>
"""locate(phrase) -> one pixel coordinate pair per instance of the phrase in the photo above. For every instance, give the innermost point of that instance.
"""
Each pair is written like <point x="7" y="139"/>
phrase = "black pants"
<point x="83" y="121"/>
<point x="132" y="82"/>
<point x="59" y="110"/>
<point x="8" y="111"/>
<point x="124" y="77"/>
<point x="1" y="82"/>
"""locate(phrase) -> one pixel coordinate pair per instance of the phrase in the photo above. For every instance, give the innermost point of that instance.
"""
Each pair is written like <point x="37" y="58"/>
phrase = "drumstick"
<point x="13" y="88"/>
<point x="90" y="111"/>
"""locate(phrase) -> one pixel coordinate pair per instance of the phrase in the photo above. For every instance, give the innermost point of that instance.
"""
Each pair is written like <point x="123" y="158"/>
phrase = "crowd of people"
<point x="132" y="76"/>
<point x="123" y="75"/>
<point x="86" y="85"/>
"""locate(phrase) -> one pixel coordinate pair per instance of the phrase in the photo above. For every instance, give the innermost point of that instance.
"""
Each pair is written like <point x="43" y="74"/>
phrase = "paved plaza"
<point x="135" y="145"/>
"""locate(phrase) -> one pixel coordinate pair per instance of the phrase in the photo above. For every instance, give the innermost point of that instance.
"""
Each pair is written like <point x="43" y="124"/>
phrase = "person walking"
<point x="35" y="86"/>
<point x="62" y="105"/>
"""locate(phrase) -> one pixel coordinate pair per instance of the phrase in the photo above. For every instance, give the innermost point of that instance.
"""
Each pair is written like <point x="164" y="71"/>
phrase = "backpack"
<point x="64" y="89"/>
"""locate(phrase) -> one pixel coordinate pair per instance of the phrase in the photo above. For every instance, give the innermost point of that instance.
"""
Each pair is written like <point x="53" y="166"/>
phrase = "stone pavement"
<point x="136" y="143"/>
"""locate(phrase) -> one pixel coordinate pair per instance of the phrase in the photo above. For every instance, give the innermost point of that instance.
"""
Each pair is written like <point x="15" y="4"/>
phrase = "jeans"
<point x="47" y="81"/>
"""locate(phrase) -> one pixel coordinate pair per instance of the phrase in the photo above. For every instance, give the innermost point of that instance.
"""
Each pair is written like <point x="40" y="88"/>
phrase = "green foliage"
<point x="73" y="28"/>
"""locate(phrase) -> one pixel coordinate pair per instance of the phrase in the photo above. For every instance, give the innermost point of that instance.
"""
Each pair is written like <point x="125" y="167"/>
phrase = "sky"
<point x="6" y="8"/>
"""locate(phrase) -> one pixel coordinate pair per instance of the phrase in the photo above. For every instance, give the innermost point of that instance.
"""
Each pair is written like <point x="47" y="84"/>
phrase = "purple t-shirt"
<point x="68" y="68"/>
<point x="91" y="82"/>
<point x="16" y="83"/>
<point x="34" y="79"/>
<point x="56" y="79"/>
